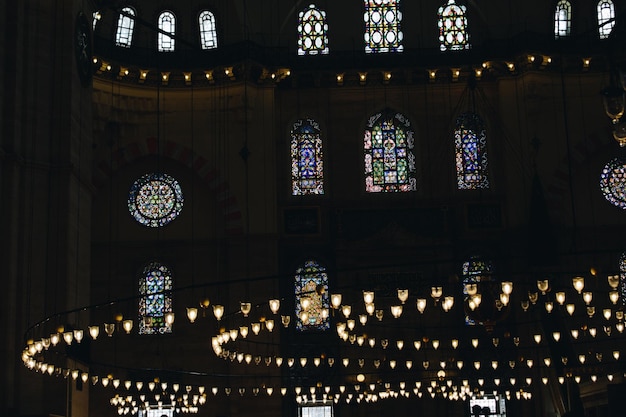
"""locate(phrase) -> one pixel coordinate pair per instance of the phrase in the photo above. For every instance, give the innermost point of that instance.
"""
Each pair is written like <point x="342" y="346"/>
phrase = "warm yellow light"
<point x="507" y="287"/>
<point x="403" y="295"/>
<point x="560" y="297"/>
<point x="578" y="283"/>
<point x="192" y="314"/>
<point x="587" y="297"/>
<point x="218" y="311"/>
<point x="128" y="325"/>
<point x="570" y="309"/>
<point x="421" y="305"/>
<point x="246" y="307"/>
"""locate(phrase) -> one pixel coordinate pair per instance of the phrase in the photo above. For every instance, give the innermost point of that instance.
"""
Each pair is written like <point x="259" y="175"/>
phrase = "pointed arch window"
<point x="155" y="290"/>
<point x="562" y="19"/>
<point x="167" y="31"/>
<point x="312" y="32"/>
<point x="606" y="18"/>
<point x="382" y="26"/>
<point x="125" y="27"/>
<point x="208" y="30"/>
<point x="307" y="163"/>
<point x="312" y="300"/>
<point x="388" y="153"/>
<point x="470" y="140"/>
<point x="452" y="24"/>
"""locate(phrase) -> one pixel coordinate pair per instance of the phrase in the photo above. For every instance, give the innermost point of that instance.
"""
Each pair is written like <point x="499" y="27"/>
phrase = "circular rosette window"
<point x="155" y="199"/>
<point x="613" y="182"/>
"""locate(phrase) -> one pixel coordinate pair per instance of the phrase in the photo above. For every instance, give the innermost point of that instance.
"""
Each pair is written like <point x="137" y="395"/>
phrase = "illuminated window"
<point x="470" y="141"/>
<point x="474" y="271"/>
<point x="613" y="182"/>
<point x="125" y="26"/>
<point x="452" y="24"/>
<point x="382" y="26"/>
<point x="208" y="30"/>
<point x="307" y="166"/>
<point x="167" y="25"/>
<point x="312" y="32"/>
<point x="606" y="18"/>
<point x="388" y="153"/>
<point x="313" y="410"/>
<point x="622" y="277"/>
<point x="96" y="18"/>
<point x="155" y="289"/>
<point x="562" y="19"/>
<point x="312" y="301"/>
<point x="155" y="200"/>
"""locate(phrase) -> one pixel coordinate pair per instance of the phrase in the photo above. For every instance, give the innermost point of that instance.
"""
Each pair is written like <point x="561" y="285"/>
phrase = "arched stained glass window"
<point x="155" y="290"/>
<point x="167" y="25"/>
<point x="622" y="278"/>
<point x="452" y="24"/>
<point x="155" y="199"/>
<point x="312" y="300"/>
<point x="562" y="19"/>
<point x="389" y="159"/>
<point x="613" y="182"/>
<point x="382" y="26"/>
<point x="606" y="18"/>
<point x="474" y="271"/>
<point x="470" y="140"/>
<point x="125" y="27"/>
<point x="208" y="30"/>
<point x="312" y="32"/>
<point x="307" y="164"/>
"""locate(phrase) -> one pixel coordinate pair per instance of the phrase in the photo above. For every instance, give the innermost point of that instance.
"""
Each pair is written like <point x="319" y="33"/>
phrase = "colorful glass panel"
<point x="606" y="18"/>
<point x="312" y="32"/>
<point x="167" y="25"/>
<point x="311" y="281"/>
<point x="155" y="286"/>
<point x="125" y="27"/>
<point x="155" y="199"/>
<point x="208" y="30"/>
<point x="562" y="19"/>
<point x="307" y="165"/>
<point x="382" y="26"/>
<point x="452" y="24"/>
<point x="474" y="271"/>
<point x="470" y="141"/>
<point x="622" y="277"/>
<point x="389" y="159"/>
<point x="613" y="182"/>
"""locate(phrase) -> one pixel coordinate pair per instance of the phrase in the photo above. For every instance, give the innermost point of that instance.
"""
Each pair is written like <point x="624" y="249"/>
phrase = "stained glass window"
<point x="167" y="24"/>
<point x="474" y="271"/>
<point x="613" y="182"/>
<point x="155" y="199"/>
<point x="208" y="30"/>
<point x="155" y="286"/>
<point x="562" y="19"/>
<point x="470" y="141"/>
<point x="606" y="18"/>
<point x="312" y="32"/>
<point x="307" y="165"/>
<point x="622" y="277"/>
<point x="125" y="27"/>
<point x="452" y="24"/>
<point x="382" y="26"/>
<point x="312" y="301"/>
<point x="389" y="159"/>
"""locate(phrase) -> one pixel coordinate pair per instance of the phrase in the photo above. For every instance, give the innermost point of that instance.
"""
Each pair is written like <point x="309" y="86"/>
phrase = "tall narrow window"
<point x="475" y="270"/>
<point x="452" y="24"/>
<point x="312" y="32"/>
<point x="562" y="19"/>
<point x="167" y="31"/>
<point x="125" y="27"/>
<point x="307" y="165"/>
<point x="606" y="18"/>
<point x="208" y="30"/>
<point x="312" y="301"/>
<point x="155" y="286"/>
<point x="622" y="278"/>
<point x="470" y="141"/>
<point x="389" y="160"/>
<point x="96" y="18"/>
<point x="382" y="26"/>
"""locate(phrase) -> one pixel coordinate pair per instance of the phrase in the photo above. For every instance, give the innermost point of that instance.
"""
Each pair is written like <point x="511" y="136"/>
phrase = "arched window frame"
<point x="562" y="19"/>
<point x="125" y="27"/>
<point x="452" y="23"/>
<point x="311" y="281"/>
<point x="606" y="18"/>
<point x="166" y="23"/>
<point x="307" y="158"/>
<point x="312" y="32"/>
<point x="389" y="160"/>
<point x="207" y="27"/>
<point x="155" y="302"/>
<point x="470" y="142"/>
<point x="383" y="20"/>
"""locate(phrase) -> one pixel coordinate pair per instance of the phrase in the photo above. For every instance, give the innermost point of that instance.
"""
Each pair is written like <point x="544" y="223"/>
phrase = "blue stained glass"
<point x="613" y="182"/>
<point x="307" y="164"/>
<point x="471" y="152"/>
<point x="155" y="200"/>
<point x="155" y="286"/>
<point x="622" y="277"/>
<point x="311" y="281"/>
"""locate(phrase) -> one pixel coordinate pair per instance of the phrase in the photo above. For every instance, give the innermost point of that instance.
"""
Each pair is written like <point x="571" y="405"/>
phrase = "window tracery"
<point x="562" y="19"/>
<point x="208" y="30"/>
<point x="452" y="24"/>
<point x="470" y="141"/>
<point x="155" y="286"/>
<point x="155" y="199"/>
<point x="307" y="163"/>
<point x="167" y="31"/>
<point x="125" y="27"/>
<point x="606" y="18"/>
<point x="613" y="182"/>
<point x="382" y="26"/>
<point x="312" y="32"/>
<point x="312" y="300"/>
